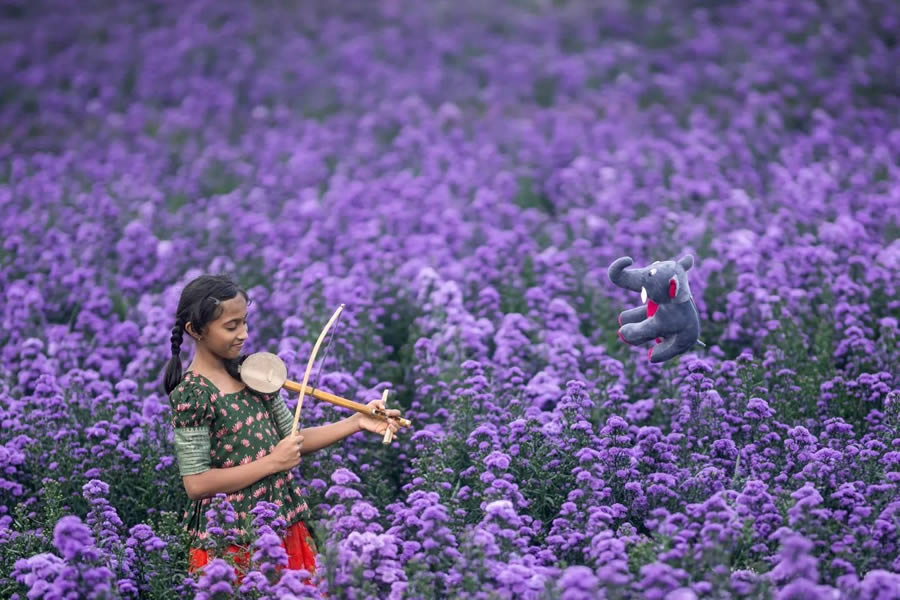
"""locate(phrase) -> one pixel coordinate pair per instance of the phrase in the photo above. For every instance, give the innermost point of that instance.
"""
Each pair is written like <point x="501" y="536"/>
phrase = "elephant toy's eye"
<point x="653" y="271"/>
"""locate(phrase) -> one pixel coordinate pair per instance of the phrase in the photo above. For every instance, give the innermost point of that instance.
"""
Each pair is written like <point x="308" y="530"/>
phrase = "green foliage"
<point x="644" y="553"/>
<point x="545" y="91"/>
<point x="529" y="196"/>
<point x="30" y="533"/>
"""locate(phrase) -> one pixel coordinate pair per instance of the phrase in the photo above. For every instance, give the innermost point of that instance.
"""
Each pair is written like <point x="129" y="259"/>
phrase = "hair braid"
<point x="173" y="368"/>
<point x="177" y="336"/>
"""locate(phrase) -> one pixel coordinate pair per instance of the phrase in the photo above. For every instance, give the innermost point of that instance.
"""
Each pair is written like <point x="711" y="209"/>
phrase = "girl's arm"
<point x="224" y="481"/>
<point x="284" y="457"/>
<point x="316" y="438"/>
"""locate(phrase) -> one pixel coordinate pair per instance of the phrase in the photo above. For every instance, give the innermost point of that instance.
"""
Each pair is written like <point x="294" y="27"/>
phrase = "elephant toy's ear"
<point x="673" y="287"/>
<point x="686" y="261"/>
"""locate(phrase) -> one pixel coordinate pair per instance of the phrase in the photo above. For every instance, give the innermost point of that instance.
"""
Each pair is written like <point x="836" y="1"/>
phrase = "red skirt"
<point x="297" y="543"/>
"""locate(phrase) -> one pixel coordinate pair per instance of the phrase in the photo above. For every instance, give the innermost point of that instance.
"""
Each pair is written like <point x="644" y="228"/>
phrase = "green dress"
<point x="216" y="431"/>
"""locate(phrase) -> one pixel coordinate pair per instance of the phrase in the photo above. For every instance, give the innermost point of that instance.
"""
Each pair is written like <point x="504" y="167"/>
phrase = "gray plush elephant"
<point x="667" y="315"/>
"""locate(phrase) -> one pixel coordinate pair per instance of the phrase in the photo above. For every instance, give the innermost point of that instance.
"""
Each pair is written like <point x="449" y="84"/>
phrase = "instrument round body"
<point x="264" y="372"/>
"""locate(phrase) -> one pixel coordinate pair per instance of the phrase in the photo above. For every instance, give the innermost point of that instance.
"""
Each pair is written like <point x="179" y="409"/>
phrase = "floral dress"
<point x="217" y="431"/>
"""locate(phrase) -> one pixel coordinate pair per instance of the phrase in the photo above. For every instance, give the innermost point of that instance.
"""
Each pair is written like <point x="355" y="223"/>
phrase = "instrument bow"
<point x="309" y="365"/>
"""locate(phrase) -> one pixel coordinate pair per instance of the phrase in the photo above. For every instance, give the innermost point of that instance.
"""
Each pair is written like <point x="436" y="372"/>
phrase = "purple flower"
<point x="216" y="581"/>
<point x="267" y="514"/>
<point x="73" y="539"/>
<point x="880" y="584"/>
<point x="795" y="561"/>
<point x="344" y="476"/>
<point x="38" y="572"/>
<point x="269" y="553"/>
<point x="497" y="460"/>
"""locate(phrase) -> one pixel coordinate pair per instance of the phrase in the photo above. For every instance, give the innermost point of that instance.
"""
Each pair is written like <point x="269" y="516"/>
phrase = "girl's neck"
<point x="205" y="363"/>
<point x="213" y="368"/>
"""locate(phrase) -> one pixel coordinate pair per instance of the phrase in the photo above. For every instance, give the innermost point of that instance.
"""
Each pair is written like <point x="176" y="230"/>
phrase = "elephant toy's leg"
<point x="670" y="348"/>
<point x="633" y="315"/>
<point x="640" y="333"/>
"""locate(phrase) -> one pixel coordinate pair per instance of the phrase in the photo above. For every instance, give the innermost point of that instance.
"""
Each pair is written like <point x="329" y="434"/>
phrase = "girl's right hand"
<point x="286" y="454"/>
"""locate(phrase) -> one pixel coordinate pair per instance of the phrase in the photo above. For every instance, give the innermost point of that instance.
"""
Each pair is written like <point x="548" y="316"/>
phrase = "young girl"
<point x="230" y="439"/>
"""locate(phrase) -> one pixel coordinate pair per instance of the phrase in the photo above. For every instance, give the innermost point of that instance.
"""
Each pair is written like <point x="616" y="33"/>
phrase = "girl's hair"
<point x="200" y="303"/>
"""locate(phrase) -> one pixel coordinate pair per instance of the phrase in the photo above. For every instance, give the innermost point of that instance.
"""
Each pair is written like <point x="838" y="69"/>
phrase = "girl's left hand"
<point x="375" y="424"/>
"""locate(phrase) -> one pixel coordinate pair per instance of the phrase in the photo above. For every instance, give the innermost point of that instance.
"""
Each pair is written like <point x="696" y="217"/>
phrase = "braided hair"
<point x="200" y="303"/>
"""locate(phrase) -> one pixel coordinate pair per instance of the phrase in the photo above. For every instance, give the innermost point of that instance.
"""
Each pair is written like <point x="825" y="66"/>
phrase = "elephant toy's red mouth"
<point x="651" y="310"/>
<point x="651" y="305"/>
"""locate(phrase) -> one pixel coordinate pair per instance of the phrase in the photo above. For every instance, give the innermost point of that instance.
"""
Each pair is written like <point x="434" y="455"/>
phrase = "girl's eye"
<point x="234" y="327"/>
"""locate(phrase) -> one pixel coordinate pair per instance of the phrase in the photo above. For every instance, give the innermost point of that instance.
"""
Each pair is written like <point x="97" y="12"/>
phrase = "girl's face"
<point x="225" y="336"/>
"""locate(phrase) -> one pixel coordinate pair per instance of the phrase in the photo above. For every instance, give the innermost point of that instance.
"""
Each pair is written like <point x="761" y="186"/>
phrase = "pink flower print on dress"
<point x="235" y="406"/>
<point x="249" y="421"/>
<point x="213" y="397"/>
<point x="245" y="443"/>
<point x="183" y="406"/>
<point x="236" y="427"/>
<point x="228" y="463"/>
<point x="293" y="513"/>
<point x="221" y="433"/>
<point x="261" y="490"/>
<point x="261" y="454"/>
<point x="259" y="416"/>
<point x="245" y="461"/>
<point x="229" y="448"/>
<point x="259" y="436"/>
<point x="222" y="412"/>
<point x="279" y="483"/>
<point x="246" y="403"/>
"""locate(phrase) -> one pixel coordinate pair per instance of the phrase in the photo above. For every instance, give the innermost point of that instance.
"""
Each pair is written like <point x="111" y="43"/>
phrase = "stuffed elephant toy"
<point x="668" y="313"/>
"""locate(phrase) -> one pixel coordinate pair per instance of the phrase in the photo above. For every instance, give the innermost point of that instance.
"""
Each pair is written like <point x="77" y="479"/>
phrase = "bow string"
<point x="312" y="360"/>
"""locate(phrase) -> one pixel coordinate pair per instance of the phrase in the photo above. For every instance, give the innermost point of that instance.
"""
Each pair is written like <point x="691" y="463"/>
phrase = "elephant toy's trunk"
<point x="623" y="277"/>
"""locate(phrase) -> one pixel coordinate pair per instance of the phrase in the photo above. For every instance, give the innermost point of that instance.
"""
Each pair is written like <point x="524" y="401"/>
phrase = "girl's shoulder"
<point x="192" y="402"/>
<point x="192" y="386"/>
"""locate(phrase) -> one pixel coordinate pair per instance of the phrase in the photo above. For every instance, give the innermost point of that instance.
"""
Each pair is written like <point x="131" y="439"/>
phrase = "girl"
<point x="230" y="439"/>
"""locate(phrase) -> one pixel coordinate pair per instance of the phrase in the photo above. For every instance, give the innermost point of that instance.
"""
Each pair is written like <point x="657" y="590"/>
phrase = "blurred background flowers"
<point x="461" y="174"/>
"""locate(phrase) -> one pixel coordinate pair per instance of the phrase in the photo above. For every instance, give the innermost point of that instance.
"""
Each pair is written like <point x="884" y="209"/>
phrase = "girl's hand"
<point x="286" y="454"/>
<point x="376" y="424"/>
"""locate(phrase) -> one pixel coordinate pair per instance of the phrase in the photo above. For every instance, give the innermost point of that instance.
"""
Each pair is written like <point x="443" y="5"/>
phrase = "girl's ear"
<point x="189" y="327"/>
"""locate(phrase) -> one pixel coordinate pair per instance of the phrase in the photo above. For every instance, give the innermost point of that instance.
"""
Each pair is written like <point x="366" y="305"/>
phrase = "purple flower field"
<point x="461" y="174"/>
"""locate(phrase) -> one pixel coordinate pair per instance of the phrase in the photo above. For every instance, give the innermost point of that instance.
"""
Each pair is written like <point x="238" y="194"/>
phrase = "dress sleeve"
<point x="192" y="418"/>
<point x="284" y="420"/>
